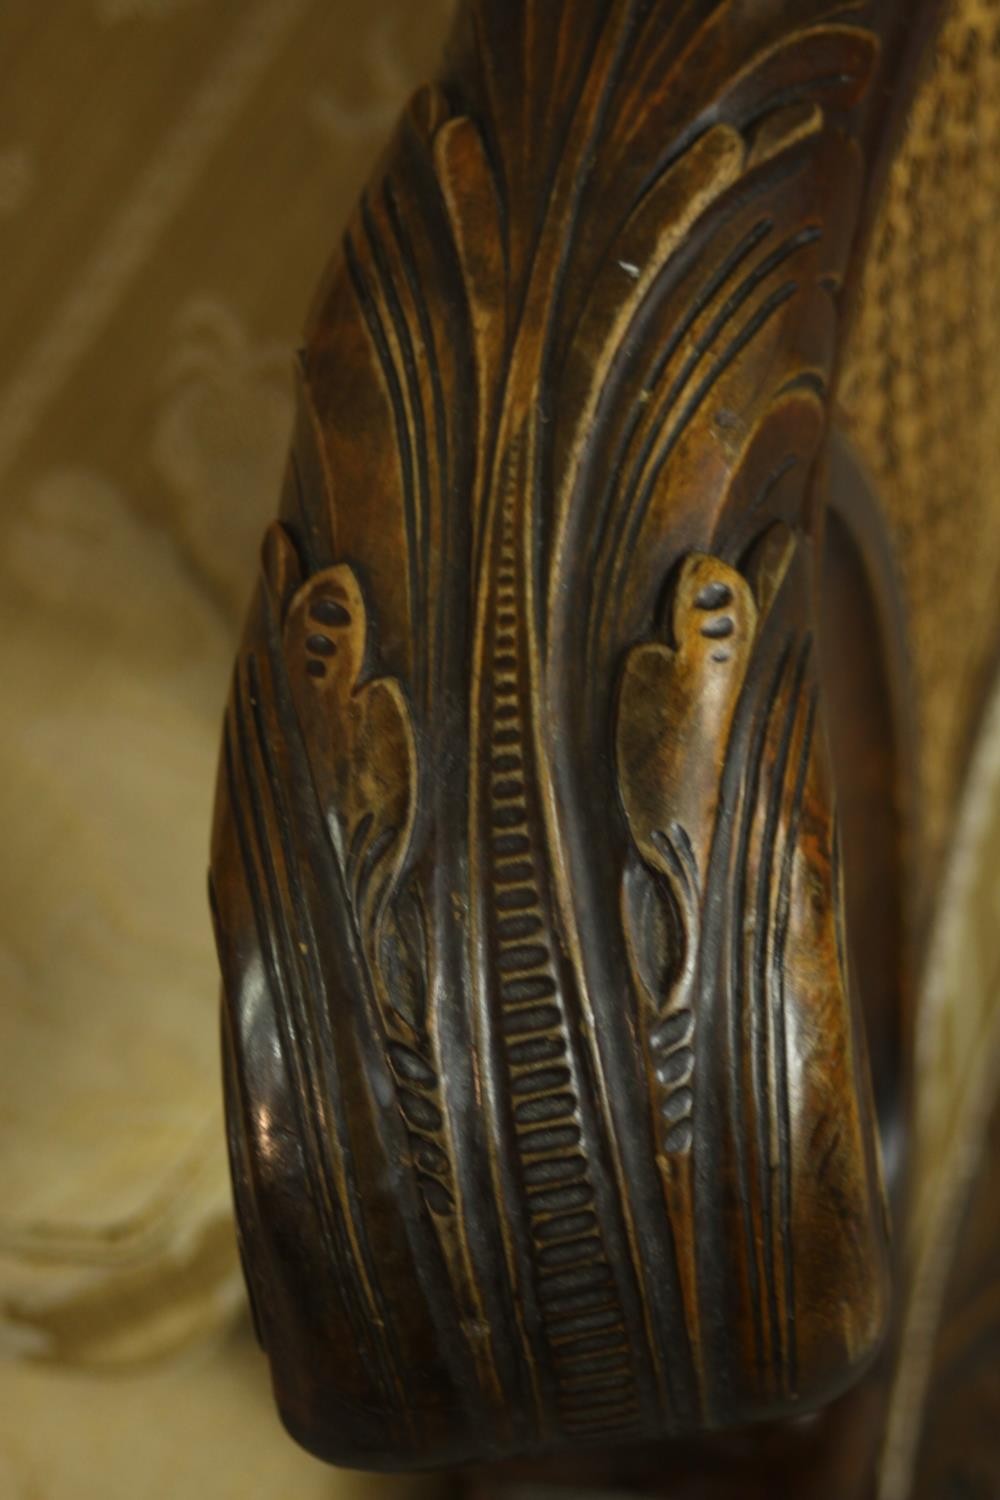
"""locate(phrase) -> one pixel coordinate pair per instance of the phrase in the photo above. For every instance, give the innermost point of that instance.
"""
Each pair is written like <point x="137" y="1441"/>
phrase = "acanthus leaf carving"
<point x="578" y="342"/>
<point x="363" y="760"/>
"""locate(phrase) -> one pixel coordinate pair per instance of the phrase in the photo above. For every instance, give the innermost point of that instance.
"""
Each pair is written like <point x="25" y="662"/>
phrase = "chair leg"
<point x="552" y="1120"/>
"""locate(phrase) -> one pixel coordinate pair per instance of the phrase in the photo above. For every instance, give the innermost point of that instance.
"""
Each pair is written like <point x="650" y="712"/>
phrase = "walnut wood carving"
<point x="550" y="1113"/>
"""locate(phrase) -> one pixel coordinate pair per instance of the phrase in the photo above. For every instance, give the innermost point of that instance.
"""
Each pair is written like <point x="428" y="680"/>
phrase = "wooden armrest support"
<point x="549" y="1105"/>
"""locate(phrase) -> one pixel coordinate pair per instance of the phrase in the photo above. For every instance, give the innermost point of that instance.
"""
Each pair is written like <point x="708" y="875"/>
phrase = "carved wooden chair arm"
<point x="549" y="1100"/>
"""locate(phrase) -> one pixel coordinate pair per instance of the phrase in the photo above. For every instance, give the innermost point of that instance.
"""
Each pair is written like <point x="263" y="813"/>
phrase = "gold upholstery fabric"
<point x="173" y="175"/>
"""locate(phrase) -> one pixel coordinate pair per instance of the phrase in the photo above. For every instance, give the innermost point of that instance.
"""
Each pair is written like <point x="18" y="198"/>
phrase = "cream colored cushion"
<point x="173" y="176"/>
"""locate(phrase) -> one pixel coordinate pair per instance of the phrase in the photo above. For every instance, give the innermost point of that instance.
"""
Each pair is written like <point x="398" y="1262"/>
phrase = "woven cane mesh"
<point x="921" y="387"/>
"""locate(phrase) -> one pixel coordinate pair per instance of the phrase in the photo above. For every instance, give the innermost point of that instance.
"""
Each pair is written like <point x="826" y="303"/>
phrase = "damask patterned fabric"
<point x="173" y="175"/>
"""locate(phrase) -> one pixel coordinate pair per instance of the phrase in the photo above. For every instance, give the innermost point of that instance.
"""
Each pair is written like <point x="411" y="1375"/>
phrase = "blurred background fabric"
<point x="173" y="176"/>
